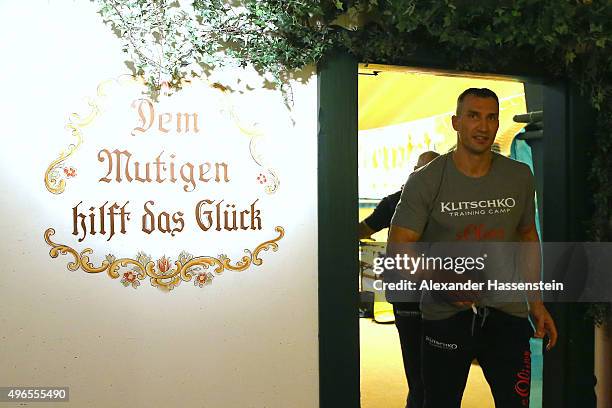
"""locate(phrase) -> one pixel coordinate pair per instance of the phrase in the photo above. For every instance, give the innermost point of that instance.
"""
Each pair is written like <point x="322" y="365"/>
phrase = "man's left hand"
<point x="545" y="325"/>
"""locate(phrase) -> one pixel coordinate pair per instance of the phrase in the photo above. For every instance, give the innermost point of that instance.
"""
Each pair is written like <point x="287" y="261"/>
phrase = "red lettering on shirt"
<point x="473" y="232"/>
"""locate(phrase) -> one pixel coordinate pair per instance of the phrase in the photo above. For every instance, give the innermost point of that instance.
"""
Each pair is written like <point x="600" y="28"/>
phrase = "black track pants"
<point x="409" y="326"/>
<point x="498" y="340"/>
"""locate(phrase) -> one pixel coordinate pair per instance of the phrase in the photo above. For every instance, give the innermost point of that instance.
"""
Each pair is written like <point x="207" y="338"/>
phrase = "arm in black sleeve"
<point x="381" y="217"/>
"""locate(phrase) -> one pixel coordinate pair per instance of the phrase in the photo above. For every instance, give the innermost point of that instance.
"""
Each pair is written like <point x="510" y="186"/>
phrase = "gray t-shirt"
<point x="444" y="205"/>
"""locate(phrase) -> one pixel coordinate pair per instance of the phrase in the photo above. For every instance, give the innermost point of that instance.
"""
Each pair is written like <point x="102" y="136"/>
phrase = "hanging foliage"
<point x="166" y="43"/>
<point x="564" y="39"/>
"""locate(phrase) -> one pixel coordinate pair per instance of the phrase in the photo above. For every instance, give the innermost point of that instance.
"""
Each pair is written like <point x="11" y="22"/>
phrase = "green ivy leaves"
<point x="166" y="43"/>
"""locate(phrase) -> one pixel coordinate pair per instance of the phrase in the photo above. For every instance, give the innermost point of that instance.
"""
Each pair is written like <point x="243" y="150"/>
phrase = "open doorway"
<point x="402" y="113"/>
<point x="561" y="165"/>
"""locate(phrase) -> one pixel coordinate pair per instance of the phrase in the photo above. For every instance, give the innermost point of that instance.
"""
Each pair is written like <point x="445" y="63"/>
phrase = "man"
<point x="407" y="316"/>
<point x="381" y="216"/>
<point x="458" y="197"/>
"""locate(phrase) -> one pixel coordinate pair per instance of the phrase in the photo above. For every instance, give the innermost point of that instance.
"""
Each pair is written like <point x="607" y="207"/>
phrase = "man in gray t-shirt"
<point x="473" y="195"/>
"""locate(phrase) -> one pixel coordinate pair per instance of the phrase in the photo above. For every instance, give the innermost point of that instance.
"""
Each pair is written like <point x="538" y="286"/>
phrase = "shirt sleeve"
<point x="381" y="217"/>
<point x="528" y="216"/>
<point x="412" y="211"/>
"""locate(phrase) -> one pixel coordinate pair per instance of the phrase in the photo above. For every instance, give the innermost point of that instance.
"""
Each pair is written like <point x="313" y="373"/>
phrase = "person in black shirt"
<point x="407" y="315"/>
<point x="381" y="217"/>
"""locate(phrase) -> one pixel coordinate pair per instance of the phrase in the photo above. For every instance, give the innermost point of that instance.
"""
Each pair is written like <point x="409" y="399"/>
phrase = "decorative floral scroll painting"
<point x="175" y="190"/>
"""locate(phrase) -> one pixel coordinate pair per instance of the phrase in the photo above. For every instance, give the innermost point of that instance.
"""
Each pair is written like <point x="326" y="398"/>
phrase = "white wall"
<point x="247" y="340"/>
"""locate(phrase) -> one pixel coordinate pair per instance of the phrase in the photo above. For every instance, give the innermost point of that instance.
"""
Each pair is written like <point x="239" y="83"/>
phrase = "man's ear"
<point x="454" y="120"/>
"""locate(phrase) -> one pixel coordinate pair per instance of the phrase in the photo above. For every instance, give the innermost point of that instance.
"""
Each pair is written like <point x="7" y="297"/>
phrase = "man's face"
<point x="476" y="124"/>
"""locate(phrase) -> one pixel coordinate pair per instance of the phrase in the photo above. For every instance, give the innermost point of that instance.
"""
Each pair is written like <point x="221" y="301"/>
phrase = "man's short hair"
<point x="426" y="157"/>
<point x="478" y="92"/>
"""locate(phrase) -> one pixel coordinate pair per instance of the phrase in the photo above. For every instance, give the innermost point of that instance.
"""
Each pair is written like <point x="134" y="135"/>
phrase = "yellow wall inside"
<point x="394" y="97"/>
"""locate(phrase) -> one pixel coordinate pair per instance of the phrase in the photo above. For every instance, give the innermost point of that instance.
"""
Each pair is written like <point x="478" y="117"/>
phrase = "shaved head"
<point x="425" y="158"/>
<point x="478" y="92"/>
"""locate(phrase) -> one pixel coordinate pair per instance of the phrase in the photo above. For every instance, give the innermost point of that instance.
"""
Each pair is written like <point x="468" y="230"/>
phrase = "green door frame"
<point x="568" y="375"/>
<point x="338" y="217"/>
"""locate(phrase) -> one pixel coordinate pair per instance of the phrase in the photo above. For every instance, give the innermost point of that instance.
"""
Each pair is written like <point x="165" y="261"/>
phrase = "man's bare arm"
<point x="531" y="266"/>
<point x="530" y="258"/>
<point x="402" y="243"/>
<point x="399" y="235"/>
<point x="364" y="230"/>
